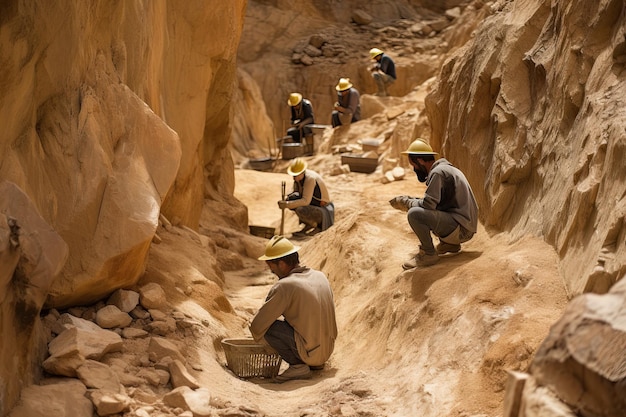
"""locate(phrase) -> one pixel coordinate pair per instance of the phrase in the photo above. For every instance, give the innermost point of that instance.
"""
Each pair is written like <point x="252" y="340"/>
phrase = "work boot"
<point x="444" y="247"/>
<point x="422" y="260"/>
<point x="313" y="232"/>
<point x="300" y="371"/>
<point x="305" y="231"/>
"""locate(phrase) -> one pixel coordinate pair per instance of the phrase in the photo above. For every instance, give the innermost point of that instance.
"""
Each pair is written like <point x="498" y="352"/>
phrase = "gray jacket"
<point x="448" y="190"/>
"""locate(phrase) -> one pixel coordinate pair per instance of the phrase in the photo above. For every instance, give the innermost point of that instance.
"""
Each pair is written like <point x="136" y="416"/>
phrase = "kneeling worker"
<point x="305" y="339"/>
<point x="448" y="208"/>
<point x="301" y="117"/>
<point x="310" y="199"/>
<point x="383" y="71"/>
<point x="347" y="109"/>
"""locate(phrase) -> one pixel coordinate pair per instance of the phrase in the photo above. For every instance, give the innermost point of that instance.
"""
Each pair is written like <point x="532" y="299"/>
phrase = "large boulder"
<point x="582" y="360"/>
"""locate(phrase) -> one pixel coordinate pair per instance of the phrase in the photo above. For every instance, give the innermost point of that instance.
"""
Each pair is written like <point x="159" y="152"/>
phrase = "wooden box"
<point x="359" y="164"/>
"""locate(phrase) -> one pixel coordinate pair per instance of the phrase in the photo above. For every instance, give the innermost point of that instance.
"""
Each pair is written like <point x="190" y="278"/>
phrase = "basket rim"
<point x="248" y="342"/>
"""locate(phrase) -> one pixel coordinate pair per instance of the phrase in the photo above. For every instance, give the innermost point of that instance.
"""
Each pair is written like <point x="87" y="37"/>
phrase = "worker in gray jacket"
<point x="347" y="109"/>
<point x="383" y="71"/>
<point x="305" y="336"/>
<point x="448" y="208"/>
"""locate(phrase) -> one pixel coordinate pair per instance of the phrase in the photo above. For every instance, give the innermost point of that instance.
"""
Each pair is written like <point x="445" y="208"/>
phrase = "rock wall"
<point x="31" y="256"/>
<point x="582" y="361"/>
<point x="112" y="113"/>
<point x="541" y="115"/>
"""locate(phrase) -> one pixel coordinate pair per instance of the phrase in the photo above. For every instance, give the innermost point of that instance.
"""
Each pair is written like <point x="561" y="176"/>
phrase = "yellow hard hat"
<point x="419" y="147"/>
<point x="296" y="167"/>
<point x="344" y="84"/>
<point x="294" y="99"/>
<point x="374" y="52"/>
<point x="278" y="247"/>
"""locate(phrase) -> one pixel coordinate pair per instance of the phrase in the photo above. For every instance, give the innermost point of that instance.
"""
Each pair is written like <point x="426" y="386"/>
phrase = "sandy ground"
<point x="430" y="342"/>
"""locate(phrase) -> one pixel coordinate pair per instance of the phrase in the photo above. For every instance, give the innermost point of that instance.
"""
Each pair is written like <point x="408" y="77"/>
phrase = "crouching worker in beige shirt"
<point x="305" y="338"/>
<point x="310" y="199"/>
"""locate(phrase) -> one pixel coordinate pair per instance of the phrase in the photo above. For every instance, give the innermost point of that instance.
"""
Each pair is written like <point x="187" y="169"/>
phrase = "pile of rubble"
<point x="91" y="364"/>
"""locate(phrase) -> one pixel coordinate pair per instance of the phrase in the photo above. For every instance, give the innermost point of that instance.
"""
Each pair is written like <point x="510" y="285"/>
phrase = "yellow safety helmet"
<point x="296" y="167"/>
<point x="374" y="52"/>
<point x="344" y="84"/>
<point x="294" y="99"/>
<point x="278" y="247"/>
<point x="419" y="147"/>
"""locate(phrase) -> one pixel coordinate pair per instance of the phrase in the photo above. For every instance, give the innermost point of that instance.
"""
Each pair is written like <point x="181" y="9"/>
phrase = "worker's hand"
<point x="282" y="204"/>
<point x="401" y="202"/>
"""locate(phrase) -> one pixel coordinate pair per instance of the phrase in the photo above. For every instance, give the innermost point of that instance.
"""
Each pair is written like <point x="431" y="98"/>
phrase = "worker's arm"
<point x="270" y="311"/>
<point x="306" y="197"/>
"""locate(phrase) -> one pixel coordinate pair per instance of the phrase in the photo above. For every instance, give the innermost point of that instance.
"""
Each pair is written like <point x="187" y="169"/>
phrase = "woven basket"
<point x="292" y="150"/>
<point x="261" y="164"/>
<point x="248" y="359"/>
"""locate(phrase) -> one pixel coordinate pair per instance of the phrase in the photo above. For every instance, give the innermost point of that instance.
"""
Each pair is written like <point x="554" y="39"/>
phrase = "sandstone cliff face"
<point x="111" y="114"/>
<point x="540" y="112"/>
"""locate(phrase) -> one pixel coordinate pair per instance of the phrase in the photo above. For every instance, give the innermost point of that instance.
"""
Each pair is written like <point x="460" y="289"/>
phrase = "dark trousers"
<point x="423" y="221"/>
<point x="338" y="118"/>
<point x="280" y="336"/>
<point x="296" y="134"/>
<point x="335" y="119"/>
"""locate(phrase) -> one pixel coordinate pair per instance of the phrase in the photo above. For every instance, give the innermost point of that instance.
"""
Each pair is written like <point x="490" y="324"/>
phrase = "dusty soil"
<point x="430" y="342"/>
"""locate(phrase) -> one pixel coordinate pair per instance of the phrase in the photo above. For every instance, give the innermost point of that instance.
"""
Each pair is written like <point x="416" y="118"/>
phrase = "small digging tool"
<point x="282" y="215"/>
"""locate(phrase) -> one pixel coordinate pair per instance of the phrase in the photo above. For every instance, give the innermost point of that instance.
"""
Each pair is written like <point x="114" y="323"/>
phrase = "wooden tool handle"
<point x="282" y="214"/>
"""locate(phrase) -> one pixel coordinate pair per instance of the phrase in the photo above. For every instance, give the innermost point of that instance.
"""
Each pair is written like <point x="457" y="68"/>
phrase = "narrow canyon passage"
<point x="429" y="342"/>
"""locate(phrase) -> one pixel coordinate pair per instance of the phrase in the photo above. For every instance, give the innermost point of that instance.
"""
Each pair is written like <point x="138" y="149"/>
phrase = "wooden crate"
<point x="359" y="164"/>
<point x="262" y="231"/>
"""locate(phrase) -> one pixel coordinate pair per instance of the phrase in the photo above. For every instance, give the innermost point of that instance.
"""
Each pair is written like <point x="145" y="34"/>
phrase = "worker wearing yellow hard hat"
<point x="383" y="71"/>
<point x="310" y="199"/>
<point x="347" y="109"/>
<point x="448" y="208"/>
<point x="301" y="117"/>
<point x="305" y="339"/>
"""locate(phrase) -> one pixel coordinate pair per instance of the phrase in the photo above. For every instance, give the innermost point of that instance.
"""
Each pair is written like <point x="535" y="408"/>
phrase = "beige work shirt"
<point x="305" y="300"/>
<point x="311" y="180"/>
